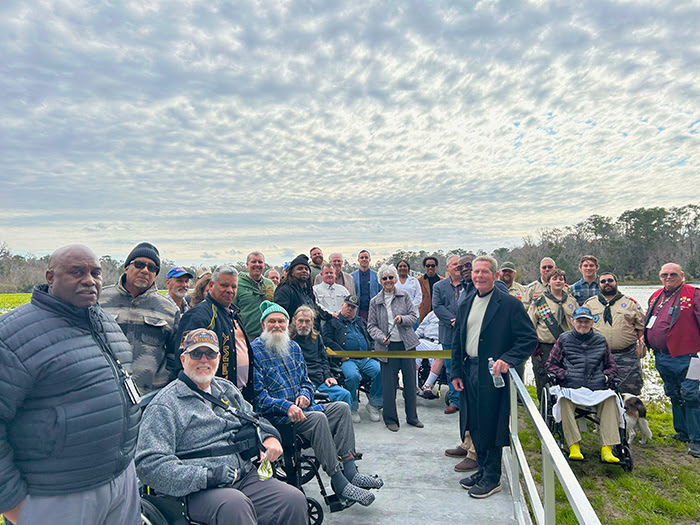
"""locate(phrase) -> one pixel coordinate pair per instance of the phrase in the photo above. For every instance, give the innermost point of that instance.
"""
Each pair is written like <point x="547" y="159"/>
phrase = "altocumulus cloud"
<point x="215" y="128"/>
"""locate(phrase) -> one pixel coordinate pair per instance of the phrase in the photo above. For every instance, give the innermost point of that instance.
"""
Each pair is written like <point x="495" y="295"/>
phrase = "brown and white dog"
<point x="636" y="418"/>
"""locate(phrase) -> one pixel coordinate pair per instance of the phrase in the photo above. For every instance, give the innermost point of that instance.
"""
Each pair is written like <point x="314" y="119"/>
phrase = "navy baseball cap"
<point x="177" y="272"/>
<point x="583" y="312"/>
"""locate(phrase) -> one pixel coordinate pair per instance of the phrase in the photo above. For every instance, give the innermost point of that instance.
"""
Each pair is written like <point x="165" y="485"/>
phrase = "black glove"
<point x="221" y="475"/>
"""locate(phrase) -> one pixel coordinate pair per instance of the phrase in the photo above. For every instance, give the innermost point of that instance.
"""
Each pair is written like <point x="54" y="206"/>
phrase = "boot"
<point x="575" y="453"/>
<point x="607" y="456"/>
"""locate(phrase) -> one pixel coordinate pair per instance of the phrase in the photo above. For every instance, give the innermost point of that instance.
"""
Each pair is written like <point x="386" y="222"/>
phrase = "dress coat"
<point x="507" y="334"/>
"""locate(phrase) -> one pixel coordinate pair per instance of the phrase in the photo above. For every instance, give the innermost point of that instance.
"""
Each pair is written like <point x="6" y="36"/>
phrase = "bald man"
<point x="69" y="410"/>
<point x="672" y="330"/>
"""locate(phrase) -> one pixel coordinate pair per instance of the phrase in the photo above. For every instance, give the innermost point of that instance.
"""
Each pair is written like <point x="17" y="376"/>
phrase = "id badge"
<point x="132" y="390"/>
<point x="652" y="320"/>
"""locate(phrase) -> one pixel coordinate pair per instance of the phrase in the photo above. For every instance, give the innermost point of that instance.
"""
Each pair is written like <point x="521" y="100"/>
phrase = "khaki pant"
<point x="468" y="446"/>
<point x="607" y="414"/>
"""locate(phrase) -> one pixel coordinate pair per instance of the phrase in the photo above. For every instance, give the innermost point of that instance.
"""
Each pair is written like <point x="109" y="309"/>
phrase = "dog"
<point x="636" y="418"/>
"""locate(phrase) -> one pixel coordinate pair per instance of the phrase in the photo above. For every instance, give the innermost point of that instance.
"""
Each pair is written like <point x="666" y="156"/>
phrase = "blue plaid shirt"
<point x="582" y="291"/>
<point x="279" y="381"/>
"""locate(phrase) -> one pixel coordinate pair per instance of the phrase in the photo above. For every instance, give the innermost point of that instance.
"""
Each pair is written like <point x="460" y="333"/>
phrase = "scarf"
<point x="607" y="314"/>
<point x="559" y="316"/>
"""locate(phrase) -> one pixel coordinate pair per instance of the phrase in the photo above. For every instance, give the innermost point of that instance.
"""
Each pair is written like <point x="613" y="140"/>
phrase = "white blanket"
<point x="585" y="398"/>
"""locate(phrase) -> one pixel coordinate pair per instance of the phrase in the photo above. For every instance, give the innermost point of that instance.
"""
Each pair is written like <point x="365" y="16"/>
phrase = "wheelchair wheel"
<point x="150" y="515"/>
<point x="315" y="511"/>
<point x="623" y="453"/>
<point x="546" y="409"/>
<point x="307" y="469"/>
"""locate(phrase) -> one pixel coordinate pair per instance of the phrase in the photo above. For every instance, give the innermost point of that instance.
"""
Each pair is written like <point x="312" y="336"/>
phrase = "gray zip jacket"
<point x="378" y="324"/>
<point x="179" y="421"/>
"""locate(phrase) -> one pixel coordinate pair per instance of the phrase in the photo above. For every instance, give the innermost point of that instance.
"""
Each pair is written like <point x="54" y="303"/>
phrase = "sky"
<point x="213" y="128"/>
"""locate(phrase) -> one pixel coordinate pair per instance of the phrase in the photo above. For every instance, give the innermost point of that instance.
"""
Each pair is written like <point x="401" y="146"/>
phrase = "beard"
<point x="276" y="342"/>
<point x="180" y="292"/>
<point x="200" y="379"/>
<point x="609" y="290"/>
<point x="304" y="331"/>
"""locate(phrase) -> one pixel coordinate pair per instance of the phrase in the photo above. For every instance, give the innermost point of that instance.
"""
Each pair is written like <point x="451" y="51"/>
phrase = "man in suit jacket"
<point x="490" y="323"/>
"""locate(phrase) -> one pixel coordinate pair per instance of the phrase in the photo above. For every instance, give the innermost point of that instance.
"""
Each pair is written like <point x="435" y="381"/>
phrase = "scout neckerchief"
<point x="561" y="316"/>
<point x="607" y="314"/>
<point x="547" y="316"/>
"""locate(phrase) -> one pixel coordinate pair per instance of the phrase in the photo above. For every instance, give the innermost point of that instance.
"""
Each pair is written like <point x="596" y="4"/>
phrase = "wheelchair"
<point x="582" y="414"/>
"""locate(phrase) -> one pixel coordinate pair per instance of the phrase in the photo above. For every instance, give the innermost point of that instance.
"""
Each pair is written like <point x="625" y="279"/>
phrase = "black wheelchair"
<point x="424" y="372"/>
<point x="548" y="400"/>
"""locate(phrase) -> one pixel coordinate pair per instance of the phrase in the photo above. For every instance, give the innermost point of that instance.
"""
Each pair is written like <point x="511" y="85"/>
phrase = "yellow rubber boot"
<point x="607" y="455"/>
<point x="575" y="452"/>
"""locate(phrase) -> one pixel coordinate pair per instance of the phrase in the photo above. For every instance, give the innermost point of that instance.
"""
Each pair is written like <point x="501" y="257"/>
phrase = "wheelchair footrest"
<point x="336" y="504"/>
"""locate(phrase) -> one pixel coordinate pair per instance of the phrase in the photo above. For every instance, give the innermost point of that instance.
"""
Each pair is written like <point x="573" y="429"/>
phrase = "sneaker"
<point x="355" y="416"/>
<point x="373" y="412"/>
<point x="458" y="452"/>
<point x="367" y="482"/>
<point x="679" y="436"/>
<point x="466" y="465"/>
<point x="484" y="490"/>
<point x="353" y="493"/>
<point x="470" y="481"/>
<point x="694" y="450"/>
<point x="427" y="393"/>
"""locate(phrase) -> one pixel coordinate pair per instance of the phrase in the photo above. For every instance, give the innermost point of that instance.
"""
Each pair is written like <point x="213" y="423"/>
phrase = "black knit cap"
<point x="144" y="249"/>
<point x="299" y="259"/>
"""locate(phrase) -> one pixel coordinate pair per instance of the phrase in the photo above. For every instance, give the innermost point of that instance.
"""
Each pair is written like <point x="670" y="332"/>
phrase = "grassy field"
<point x="9" y="301"/>
<point x="662" y="488"/>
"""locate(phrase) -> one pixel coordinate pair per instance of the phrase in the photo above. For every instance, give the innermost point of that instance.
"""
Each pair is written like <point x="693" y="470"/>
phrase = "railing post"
<point x="548" y="488"/>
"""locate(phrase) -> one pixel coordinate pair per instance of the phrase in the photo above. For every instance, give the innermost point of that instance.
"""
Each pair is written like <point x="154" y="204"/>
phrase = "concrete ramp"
<point x="420" y="484"/>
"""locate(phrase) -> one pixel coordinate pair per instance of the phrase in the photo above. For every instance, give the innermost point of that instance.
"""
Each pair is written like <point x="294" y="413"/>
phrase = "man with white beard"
<point x="178" y="283"/>
<point x="284" y="394"/>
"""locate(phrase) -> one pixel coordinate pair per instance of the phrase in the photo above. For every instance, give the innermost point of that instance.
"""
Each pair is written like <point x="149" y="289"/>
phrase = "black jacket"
<point x="66" y="422"/>
<point x="290" y="297"/>
<point x="213" y="316"/>
<point x="335" y="332"/>
<point x="507" y="334"/>
<point x="317" y="366"/>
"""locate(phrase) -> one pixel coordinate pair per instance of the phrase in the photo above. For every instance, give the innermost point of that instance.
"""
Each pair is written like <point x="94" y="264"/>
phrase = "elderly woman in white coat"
<point x="391" y="318"/>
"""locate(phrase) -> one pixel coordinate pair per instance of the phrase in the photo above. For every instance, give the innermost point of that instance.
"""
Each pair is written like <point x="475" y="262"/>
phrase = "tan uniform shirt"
<point x="543" y="333"/>
<point x="627" y="317"/>
<point x="517" y="290"/>
<point x="534" y="290"/>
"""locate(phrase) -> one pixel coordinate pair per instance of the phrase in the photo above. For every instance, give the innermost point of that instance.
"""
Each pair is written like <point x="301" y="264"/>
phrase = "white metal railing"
<point x="553" y="462"/>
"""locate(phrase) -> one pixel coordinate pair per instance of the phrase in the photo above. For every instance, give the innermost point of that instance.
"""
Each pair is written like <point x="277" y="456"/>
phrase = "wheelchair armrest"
<point x="552" y="379"/>
<point x="322" y="397"/>
<point x="146" y="398"/>
<point x="612" y="382"/>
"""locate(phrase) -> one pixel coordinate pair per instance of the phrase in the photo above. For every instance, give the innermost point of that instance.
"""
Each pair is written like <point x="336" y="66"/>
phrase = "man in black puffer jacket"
<point x="68" y="421"/>
<point x="584" y="366"/>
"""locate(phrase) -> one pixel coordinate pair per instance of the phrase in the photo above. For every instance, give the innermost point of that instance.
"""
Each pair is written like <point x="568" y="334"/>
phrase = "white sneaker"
<point x="373" y="413"/>
<point x="356" y="416"/>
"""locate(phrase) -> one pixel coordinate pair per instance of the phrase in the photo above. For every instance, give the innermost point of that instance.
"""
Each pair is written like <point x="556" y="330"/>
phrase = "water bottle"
<point x="498" y="381"/>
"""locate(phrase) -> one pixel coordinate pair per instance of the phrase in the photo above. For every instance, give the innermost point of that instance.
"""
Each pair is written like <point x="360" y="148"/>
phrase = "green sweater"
<point x="250" y="295"/>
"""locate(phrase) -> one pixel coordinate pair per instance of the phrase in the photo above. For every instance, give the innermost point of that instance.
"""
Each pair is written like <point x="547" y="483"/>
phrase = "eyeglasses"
<point x="547" y="267"/>
<point x="388" y="278"/>
<point x="603" y="281"/>
<point x="430" y="265"/>
<point x="140" y="265"/>
<point x="672" y="275"/>
<point x="197" y="354"/>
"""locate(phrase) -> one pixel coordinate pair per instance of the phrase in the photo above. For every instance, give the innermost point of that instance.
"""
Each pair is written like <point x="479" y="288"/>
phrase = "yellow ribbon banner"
<point x="427" y="354"/>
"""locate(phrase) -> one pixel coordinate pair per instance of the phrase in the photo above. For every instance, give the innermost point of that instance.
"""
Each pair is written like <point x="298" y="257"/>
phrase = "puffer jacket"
<point x="66" y="422"/>
<point x="581" y="360"/>
<point x="149" y="322"/>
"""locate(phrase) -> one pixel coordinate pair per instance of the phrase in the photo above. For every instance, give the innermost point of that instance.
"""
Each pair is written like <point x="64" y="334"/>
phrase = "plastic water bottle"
<point x="498" y="381"/>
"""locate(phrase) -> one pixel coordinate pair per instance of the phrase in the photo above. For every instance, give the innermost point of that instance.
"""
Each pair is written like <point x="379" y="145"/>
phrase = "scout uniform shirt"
<point x="627" y="317"/>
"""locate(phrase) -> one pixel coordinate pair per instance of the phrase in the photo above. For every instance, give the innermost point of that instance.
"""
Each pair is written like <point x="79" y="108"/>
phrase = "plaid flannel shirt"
<point x="582" y="291"/>
<point x="279" y="381"/>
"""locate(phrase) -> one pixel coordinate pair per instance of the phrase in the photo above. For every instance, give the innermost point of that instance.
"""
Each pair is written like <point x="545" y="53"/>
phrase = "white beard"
<point x="276" y="342"/>
<point x="304" y="332"/>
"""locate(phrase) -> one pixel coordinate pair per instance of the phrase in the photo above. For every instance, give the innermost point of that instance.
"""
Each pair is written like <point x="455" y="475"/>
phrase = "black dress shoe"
<point x="417" y="423"/>
<point x="393" y="427"/>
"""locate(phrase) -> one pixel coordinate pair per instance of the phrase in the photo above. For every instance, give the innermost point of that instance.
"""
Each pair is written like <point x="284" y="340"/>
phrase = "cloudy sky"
<point x="212" y="128"/>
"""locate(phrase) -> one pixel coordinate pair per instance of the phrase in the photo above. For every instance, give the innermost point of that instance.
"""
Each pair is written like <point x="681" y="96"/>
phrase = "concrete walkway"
<point x="420" y="484"/>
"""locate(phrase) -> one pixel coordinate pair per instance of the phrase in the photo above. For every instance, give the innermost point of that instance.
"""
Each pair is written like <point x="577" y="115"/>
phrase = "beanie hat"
<point x="268" y="307"/>
<point x="144" y="249"/>
<point x="299" y="259"/>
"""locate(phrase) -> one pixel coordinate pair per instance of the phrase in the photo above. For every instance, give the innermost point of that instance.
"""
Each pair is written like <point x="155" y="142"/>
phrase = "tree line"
<point x="633" y="246"/>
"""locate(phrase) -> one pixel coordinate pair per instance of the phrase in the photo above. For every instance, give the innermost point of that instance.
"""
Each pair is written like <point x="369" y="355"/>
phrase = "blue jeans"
<point x="684" y="393"/>
<point x="452" y="395"/>
<point x="354" y="370"/>
<point x="335" y="393"/>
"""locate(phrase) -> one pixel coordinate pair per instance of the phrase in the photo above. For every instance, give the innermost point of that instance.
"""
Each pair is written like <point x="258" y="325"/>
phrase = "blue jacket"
<point x="445" y="307"/>
<point x="374" y="286"/>
<point x="66" y="422"/>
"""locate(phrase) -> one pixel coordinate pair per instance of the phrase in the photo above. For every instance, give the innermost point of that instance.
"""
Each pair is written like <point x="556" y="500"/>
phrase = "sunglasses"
<point x="197" y="354"/>
<point x="603" y="281"/>
<point x="388" y="278"/>
<point x="547" y="267"/>
<point x="430" y="265"/>
<point x="140" y="265"/>
<point x="666" y="275"/>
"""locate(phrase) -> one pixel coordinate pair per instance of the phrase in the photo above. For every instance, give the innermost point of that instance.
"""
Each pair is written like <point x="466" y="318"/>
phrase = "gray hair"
<point x="548" y="259"/>
<point x="493" y="263"/>
<point x="387" y="268"/>
<point x="223" y="270"/>
<point x="450" y="257"/>
<point x="338" y="254"/>
<point x="247" y="259"/>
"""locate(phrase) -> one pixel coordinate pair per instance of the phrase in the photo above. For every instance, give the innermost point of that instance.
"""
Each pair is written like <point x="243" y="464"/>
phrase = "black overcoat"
<point x="506" y="333"/>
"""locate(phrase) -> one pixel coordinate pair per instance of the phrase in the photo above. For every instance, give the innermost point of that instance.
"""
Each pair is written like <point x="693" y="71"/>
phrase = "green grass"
<point x="9" y="301"/>
<point x="662" y="488"/>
